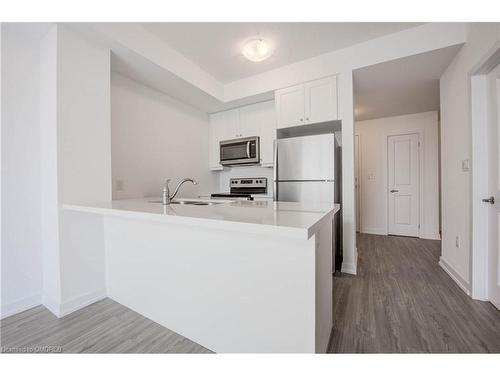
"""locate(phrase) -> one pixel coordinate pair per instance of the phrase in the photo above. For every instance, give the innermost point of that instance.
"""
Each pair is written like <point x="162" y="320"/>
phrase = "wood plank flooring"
<point x="103" y="327"/>
<point x="401" y="301"/>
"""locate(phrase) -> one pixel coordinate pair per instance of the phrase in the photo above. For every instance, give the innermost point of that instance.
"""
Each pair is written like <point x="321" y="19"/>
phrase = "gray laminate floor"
<point x="401" y="301"/>
<point x="103" y="327"/>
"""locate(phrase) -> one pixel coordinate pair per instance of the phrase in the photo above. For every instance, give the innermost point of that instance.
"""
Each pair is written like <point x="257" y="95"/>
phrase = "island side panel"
<point x="228" y="291"/>
<point x="324" y="286"/>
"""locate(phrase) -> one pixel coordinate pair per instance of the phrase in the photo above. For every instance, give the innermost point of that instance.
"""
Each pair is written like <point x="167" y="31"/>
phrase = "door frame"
<point x="420" y="133"/>
<point x="479" y="124"/>
<point x="358" y="182"/>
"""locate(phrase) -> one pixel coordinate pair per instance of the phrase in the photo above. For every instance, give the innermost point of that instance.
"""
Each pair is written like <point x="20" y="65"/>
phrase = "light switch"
<point x="466" y="165"/>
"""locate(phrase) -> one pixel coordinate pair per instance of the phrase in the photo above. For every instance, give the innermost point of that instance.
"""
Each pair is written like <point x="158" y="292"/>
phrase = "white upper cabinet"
<point x="307" y="103"/>
<point x="222" y="127"/>
<point x="248" y="121"/>
<point x="260" y="120"/>
<point x="290" y="106"/>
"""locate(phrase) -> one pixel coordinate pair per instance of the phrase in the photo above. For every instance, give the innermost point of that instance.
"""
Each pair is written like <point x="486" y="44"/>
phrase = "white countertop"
<point x="265" y="217"/>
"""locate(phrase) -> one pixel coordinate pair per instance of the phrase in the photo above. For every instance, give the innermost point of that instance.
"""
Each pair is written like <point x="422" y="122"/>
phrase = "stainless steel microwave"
<point x="240" y="151"/>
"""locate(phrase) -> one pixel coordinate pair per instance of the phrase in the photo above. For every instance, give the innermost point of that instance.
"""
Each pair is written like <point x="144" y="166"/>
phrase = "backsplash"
<point x="239" y="172"/>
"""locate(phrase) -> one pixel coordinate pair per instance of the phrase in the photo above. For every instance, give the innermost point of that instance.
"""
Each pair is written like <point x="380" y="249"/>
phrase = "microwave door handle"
<point x="248" y="149"/>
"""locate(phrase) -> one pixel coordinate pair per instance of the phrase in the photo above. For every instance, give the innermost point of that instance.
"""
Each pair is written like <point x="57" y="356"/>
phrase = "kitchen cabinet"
<point x="308" y="103"/>
<point x="222" y="127"/>
<point x="252" y="120"/>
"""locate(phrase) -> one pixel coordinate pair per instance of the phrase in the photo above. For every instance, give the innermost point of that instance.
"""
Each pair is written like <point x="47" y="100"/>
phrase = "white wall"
<point x="373" y="162"/>
<point x="155" y="137"/>
<point x="21" y="215"/>
<point x="51" y="285"/>
<point x="84" y="163"/>
<point x="455" y="147"/>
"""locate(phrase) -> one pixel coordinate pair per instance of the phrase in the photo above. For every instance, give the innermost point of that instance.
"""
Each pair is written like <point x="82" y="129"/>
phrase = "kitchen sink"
<point x="193" y="203"/>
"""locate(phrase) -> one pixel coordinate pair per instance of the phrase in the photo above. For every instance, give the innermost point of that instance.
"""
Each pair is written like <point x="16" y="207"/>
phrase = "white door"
<point x="290" y="106"/>
<point x="321" y="100"/>
<point x="493" y="113"/>
<point x="403" y="184"/>
<point x="356" y="181"/>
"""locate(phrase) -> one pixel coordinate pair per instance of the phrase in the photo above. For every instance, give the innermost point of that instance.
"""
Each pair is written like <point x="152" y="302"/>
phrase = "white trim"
<point x="421" y="169"/>
<point x="479" y="243"/>
<point x="350" y="267"/>
<point x="20" y="306"/>
<point x="464" y="285"/>
<point x="379" y="231"/>
<point x="76" y="303"/>
<point x="51" y="305"/>
<point x="357" y="200"/>
<point x="430" y="236"/>
<point x="73" y="304"/>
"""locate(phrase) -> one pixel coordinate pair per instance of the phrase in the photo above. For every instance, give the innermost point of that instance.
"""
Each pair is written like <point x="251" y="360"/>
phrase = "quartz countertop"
<point x="265" y="217"/>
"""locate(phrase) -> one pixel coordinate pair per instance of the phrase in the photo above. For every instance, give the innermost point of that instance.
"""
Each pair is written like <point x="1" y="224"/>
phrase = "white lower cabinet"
<point x="252" y="120"/>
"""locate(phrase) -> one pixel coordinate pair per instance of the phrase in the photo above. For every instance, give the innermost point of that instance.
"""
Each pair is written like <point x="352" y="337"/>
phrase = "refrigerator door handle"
<point x="275" y="195"/>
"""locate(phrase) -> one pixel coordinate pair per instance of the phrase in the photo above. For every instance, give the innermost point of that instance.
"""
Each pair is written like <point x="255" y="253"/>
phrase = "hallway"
<point x="401" y="301"/>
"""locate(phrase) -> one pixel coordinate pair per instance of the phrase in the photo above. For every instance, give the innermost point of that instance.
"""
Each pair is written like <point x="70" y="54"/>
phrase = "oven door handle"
<point x="248" y="149"/>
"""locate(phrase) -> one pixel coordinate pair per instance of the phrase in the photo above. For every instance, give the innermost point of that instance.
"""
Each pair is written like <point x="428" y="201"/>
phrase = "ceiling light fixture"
<point x="257" y="50"/>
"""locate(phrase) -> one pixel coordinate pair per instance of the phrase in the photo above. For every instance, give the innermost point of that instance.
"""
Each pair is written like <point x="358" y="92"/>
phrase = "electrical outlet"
<point x="119" y="185"/>
<point x="457" y="242"/>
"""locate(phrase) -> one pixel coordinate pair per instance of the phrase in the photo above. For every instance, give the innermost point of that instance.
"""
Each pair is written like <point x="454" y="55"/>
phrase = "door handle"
<point x="248" y="149"/>
<point x="490" y="200"/>
<point x="394" y="191"/>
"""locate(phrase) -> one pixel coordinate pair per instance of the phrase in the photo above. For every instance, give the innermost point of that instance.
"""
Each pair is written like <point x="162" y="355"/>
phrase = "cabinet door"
<point x="290" y="106"/>
<point x="266" y="120"/>
<point x="215" y="130"/>
<point x="231" y="125"/>
<point x="249" y="126"/>
<point x="321" y="100"/>
<point x="223" y="126"/>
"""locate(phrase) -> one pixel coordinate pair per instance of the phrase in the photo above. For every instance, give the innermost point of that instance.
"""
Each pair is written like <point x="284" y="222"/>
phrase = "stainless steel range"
<point x="244" y="188"/>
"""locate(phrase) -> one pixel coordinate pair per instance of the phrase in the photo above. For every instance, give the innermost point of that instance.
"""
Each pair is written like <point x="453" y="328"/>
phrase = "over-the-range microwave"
<point x="240" y="151"/>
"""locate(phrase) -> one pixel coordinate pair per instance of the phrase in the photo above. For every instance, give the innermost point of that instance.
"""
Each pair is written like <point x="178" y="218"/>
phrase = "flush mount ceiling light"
<point x="257" y="49"/>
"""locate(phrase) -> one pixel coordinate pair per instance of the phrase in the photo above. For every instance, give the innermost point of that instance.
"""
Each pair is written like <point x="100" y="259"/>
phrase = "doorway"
<point x="485" y="88"/>
<point x="403" y="185"/>
<point x="356" y="181"/>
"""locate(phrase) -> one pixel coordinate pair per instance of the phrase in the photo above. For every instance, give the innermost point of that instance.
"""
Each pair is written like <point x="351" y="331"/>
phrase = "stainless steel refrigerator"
<point x="309" y="169"/>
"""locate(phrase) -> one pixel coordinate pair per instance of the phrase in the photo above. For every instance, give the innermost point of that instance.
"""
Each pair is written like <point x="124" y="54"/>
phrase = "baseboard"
<point x="53" y="306"/>
<point x="73" y="304"/>
<point x="464" y="285"/>
<point x="20" y="306"/>
<point x="81" y="301"/>
<point x="374" y="231"/>
<point x="430" y="236"/>
<point x="350" y="268"/>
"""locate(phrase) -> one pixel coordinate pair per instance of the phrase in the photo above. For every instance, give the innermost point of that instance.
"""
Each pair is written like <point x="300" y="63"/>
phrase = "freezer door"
<point x="305" y="191"/>
<point x="305" y="158"/>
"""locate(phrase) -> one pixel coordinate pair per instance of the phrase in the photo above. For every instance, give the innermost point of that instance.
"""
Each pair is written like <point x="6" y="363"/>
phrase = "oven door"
<point x="240" y="151"/>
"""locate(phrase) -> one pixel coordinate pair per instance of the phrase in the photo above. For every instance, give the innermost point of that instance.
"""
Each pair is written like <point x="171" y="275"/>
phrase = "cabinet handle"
<point x="301" y="119"/>
<point x="307" y="118"/>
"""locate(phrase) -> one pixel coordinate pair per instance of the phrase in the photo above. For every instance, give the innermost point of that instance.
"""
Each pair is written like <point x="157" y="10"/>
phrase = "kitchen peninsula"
<point x="233" y="276"/>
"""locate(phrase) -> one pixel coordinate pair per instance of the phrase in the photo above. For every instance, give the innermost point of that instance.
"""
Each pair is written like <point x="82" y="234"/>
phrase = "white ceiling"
<point x="216" y="47"/>
<point x="402" y="86"/>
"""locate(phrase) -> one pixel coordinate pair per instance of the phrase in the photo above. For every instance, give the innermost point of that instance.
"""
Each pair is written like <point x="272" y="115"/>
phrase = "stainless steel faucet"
<point x="166" y="197"/>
